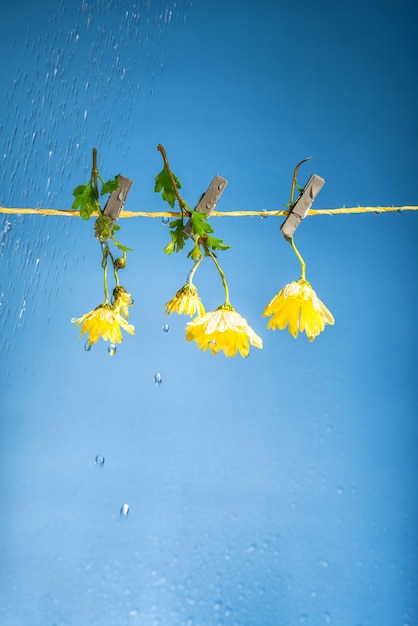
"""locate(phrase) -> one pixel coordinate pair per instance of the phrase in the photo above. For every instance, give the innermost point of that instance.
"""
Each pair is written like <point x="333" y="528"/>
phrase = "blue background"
<point x="276" y="490"/>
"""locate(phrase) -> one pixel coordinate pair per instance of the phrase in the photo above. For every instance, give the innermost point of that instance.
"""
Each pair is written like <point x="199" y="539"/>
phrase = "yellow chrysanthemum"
<point x="104" y="322"/>
<point x="185" y="302"/>
<point x="122" y="299"/>
<point x="298" y="307"/>
<point x="223" y="329"/>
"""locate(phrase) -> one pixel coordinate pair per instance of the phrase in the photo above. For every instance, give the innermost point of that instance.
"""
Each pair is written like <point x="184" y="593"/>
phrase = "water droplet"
<point x="87" y="346"/>
<point x="124" y="510"/>
<point x="7" y="227"/>
<point x="111" y="349"/>
<point x="323" y="563"/>
<point x="165" y="220"/>
<point x="378" y="212"/>
<point x="158" y="379"/>
<point x="166" y="328"/>
<point x="327" y="617"/>
<point x="263" y="217"/>
<point x="99" y="460"/>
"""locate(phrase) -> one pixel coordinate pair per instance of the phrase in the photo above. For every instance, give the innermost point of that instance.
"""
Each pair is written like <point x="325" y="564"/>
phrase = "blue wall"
<point x="275" y="490"/>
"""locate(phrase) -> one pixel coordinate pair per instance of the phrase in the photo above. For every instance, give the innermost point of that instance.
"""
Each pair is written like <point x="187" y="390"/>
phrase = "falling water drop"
<point x="165" y="220"/>
<point x="166" y="328"/>
<point x="124" y="510"/>
<point x="111" y="349"/>
<point x="87" y="346"/>
<point x="158" y="379"/>
<point x="99" y="460"/>
<point x="7" y="227"/>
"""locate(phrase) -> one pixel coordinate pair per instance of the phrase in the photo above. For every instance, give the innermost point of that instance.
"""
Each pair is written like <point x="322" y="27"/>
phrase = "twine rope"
<point x="160" y="214"/>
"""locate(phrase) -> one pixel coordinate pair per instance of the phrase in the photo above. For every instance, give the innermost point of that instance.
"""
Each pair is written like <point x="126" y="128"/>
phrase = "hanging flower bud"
<point x="120" y="263"/>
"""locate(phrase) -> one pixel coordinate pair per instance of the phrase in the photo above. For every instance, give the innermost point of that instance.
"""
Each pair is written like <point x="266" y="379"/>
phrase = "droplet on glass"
<point x="166" y="328"/>
<point x="99" y="460"/>
<point x="124" y="510"/>
<point x="87" y="346"/>
<point x="165" y="219"/>
<point x="158" y="379"/>
<point x="111" y="349"/>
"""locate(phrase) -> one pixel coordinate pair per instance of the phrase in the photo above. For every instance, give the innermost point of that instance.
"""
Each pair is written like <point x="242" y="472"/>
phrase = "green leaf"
<point x="86" y="200"/>
<point x="195" y="253"/>
<point x="199" y="224"/>
<point x="203" y="229"/>
<point x="178" y="238"/>
<point x="120" y="246"/>
<point x="163" y="184"/>
<point x="169" y="248"/>
<point x="110" y="185"/>
<point x="216" y="244"/>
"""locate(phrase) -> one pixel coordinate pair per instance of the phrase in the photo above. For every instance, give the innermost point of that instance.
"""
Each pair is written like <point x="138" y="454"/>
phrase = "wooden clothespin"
<point x="302" y="205"/>
<point x="208" y="201"/>
<point x="116" y="200"/>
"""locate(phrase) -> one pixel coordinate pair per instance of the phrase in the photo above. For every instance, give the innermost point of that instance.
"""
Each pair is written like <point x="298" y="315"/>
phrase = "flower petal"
<point x="223" y="330"/>
<point x="298" y="307"/>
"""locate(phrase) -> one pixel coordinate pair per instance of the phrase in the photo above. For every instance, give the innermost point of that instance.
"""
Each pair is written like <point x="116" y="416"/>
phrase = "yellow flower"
<point x="298" y="306"/>
<point x="122" y="299"/>
<point x="223" y="329"/>
<point x="185" y="302"/>
<point x="105" y="322"/>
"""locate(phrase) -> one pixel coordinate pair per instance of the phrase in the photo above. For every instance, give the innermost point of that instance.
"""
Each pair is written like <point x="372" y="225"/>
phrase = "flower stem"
<point x="115" y="272"/>
<point x="94" y="173"/>
<point x="105" y="249"/>
<point x="193" y="270"/>
<point x="182" y="203"/>
<point x="218" y="267"/>
<point x="294" y="182"/>
<point x="301" y="261"/>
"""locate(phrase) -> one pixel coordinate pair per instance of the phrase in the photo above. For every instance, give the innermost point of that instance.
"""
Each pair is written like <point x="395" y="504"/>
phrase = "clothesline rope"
<point x="341" y="211"/>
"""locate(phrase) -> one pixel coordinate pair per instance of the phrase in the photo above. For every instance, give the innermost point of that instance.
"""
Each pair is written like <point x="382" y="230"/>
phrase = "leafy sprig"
<point x="178" y="236"/>
<point x="169" y="184"/>
<point x="86" y="197"/>
<point x="163" y="183"/>
<point x="87" y="200"/>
